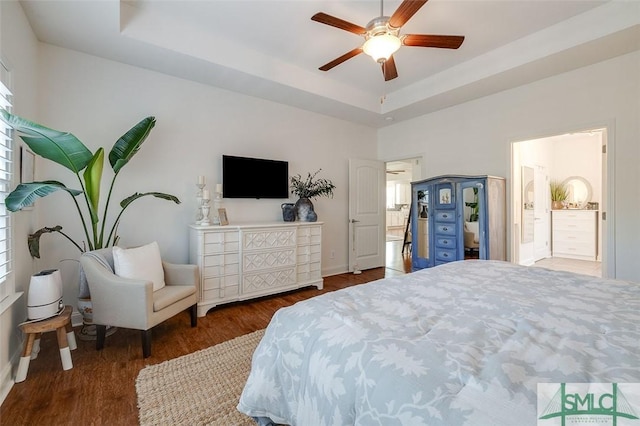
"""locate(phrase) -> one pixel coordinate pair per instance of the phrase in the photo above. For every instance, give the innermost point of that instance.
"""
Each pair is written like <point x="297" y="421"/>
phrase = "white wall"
<point x="19" y="48"/>
<point x="578" y="154"/>
<point x="98" y="100"/>
<point x="476" y="137"/>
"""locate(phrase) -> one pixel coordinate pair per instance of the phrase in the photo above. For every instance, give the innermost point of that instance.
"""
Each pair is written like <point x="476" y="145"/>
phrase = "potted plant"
<point x="307" y="189"/>
<point x="68" y="151"/>
<point x="423" y="210"/>
<point x="559" y="194"/>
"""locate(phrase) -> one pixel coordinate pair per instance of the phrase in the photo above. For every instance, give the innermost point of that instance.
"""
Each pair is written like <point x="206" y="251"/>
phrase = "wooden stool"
<point x="66" y="340"/>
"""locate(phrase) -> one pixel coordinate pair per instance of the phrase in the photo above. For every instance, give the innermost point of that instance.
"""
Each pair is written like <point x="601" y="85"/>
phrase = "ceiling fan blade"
<point x="341" y="59"/>
<point x="428" y="40"/>
<point x="389" y="69"/>
<point x="323" y="18"/>
<point x="405" y="11"/>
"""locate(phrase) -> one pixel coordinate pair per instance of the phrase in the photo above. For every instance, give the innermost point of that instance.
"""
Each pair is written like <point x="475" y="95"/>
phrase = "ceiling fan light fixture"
<point x="380" y="47"/>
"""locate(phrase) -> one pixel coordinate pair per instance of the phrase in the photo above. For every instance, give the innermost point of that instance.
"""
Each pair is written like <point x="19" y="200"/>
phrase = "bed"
<point x="464" y="343"/>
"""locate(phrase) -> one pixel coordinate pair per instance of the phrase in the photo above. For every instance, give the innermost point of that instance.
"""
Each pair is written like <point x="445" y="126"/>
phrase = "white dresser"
<point x="575" y="234"/>
<point x="239" y="262"/>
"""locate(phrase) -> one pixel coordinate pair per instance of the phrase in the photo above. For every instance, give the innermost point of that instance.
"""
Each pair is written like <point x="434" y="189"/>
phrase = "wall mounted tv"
<point x="245" y="177"/>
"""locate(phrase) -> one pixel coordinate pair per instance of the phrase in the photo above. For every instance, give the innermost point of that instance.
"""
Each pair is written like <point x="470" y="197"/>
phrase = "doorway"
<point x="563" y="159"/>
<point x="399" y="175"/>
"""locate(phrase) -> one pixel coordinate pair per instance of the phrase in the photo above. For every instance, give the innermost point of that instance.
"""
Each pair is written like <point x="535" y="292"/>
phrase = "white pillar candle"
<point x="218" y="188"/>
<point x="205" y="194"/>
<point x="200" y="180"/>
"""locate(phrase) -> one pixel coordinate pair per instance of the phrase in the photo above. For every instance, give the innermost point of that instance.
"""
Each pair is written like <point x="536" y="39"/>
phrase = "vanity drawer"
<point x="573" y="238"/>
<point x="570" y="248"/>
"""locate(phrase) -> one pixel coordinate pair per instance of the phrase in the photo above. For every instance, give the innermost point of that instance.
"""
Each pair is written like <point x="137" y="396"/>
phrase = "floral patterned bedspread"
<point x="464" y="343"/>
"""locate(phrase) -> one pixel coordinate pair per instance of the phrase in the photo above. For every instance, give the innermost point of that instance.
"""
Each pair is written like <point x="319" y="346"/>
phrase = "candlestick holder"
<point x="205" y="212"/>
<point x="217" y="204"/>
<point x="199" y="203"/>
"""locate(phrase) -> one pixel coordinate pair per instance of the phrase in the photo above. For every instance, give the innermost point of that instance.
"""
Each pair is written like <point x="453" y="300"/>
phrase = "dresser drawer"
<point x="309" y="235"/>
<point x="223" y="292"/>
<point x="263" y="282"/>
<point x="309" y="271"/>
<point x="215" y="283"/>
<point x="265" y="239"/>
<point x="309" y="254"/>
<point x="220" y="259"/>
<point x="254" y="261"/>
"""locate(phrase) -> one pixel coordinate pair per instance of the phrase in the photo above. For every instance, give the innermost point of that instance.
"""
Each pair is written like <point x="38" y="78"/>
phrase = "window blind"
<point x="6" y="174"/>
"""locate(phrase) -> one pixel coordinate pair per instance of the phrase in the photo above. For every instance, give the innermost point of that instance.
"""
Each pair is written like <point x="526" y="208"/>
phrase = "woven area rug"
<point x="202" y="388"/>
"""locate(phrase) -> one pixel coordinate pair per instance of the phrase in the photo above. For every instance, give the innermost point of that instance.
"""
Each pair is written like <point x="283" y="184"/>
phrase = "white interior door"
<point x="542" y="215"/>
<point x="367" y="192"/>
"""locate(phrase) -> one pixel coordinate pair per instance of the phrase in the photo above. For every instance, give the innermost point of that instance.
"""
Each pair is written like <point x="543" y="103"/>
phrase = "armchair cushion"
<point x="171" y="294"/>
<point x="142" y="263"/>
<point x="473" y="228"/>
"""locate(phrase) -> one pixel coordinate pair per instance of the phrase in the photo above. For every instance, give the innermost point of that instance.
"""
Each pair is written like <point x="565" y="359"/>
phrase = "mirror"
<point x="578" y="192"/>
<point x="527" y="204"/>
<point x="423" y="223"/>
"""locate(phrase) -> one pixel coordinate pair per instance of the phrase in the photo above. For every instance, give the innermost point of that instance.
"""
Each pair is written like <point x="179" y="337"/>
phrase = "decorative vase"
<point x="557" y="205"/>
<point x="423" y="211"/>
<point x="88" y="329"/>
<point x="304" y="210"/>
<point x="288" y="212"/>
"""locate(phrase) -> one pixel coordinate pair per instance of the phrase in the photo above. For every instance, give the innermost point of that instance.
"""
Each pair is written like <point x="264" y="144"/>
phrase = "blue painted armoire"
<point x="456" y="217"/>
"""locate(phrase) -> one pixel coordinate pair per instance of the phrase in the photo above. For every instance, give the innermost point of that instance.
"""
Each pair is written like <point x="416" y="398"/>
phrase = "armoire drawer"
<point x="445" y="229"/>
<point x="446" y="255"/>
<point x="446" y="242"/>
<point x="449" y="217"/>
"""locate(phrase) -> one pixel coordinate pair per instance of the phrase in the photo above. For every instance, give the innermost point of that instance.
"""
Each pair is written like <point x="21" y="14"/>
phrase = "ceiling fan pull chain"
<point x="381" y="8"/>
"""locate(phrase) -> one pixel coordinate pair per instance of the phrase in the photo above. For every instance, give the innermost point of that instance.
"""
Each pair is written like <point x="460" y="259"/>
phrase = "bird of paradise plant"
<point x="65" y="149"/>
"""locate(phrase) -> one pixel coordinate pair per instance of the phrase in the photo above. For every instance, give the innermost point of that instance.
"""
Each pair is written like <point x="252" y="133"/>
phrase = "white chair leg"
<point x="36" y="349"/>
<point x="23" y="367"/>
<point x="71" y="339"/>
<point x="65" y="356"/>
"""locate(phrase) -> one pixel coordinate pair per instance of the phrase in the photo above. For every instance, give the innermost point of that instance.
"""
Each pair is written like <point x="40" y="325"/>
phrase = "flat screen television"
<point x="245" y="177"/>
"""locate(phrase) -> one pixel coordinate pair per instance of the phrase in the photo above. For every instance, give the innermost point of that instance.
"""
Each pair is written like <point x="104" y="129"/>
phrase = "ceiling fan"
<point x="383" y="39"/>
<point x="395" y="172"/>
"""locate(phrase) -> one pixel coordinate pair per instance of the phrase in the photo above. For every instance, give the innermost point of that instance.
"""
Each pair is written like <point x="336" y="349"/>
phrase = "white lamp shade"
<point x="381" y="47"/>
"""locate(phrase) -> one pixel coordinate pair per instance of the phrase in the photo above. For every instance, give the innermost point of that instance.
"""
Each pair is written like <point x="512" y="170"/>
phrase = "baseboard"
<point x="6" y="375"/>
<point x="335" y="271"/>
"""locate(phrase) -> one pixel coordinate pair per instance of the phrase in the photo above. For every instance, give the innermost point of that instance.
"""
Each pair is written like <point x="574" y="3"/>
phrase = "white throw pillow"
<point x="142" y="263"/>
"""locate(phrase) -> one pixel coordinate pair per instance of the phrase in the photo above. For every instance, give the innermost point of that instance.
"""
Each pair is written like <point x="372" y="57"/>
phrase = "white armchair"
<point x="132" y="303"/>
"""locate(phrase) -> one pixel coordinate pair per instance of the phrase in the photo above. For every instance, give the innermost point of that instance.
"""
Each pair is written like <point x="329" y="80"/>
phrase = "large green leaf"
<point x="27" y="193"/>
<point x="130" y="199"/>
<point x="92" y="177"/>
<point x="60" y="147"/>
<point x="130" y="143"/>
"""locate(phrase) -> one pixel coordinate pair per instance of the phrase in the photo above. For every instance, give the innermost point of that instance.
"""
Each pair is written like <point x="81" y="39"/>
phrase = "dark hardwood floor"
<point x="100" y="388"/>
